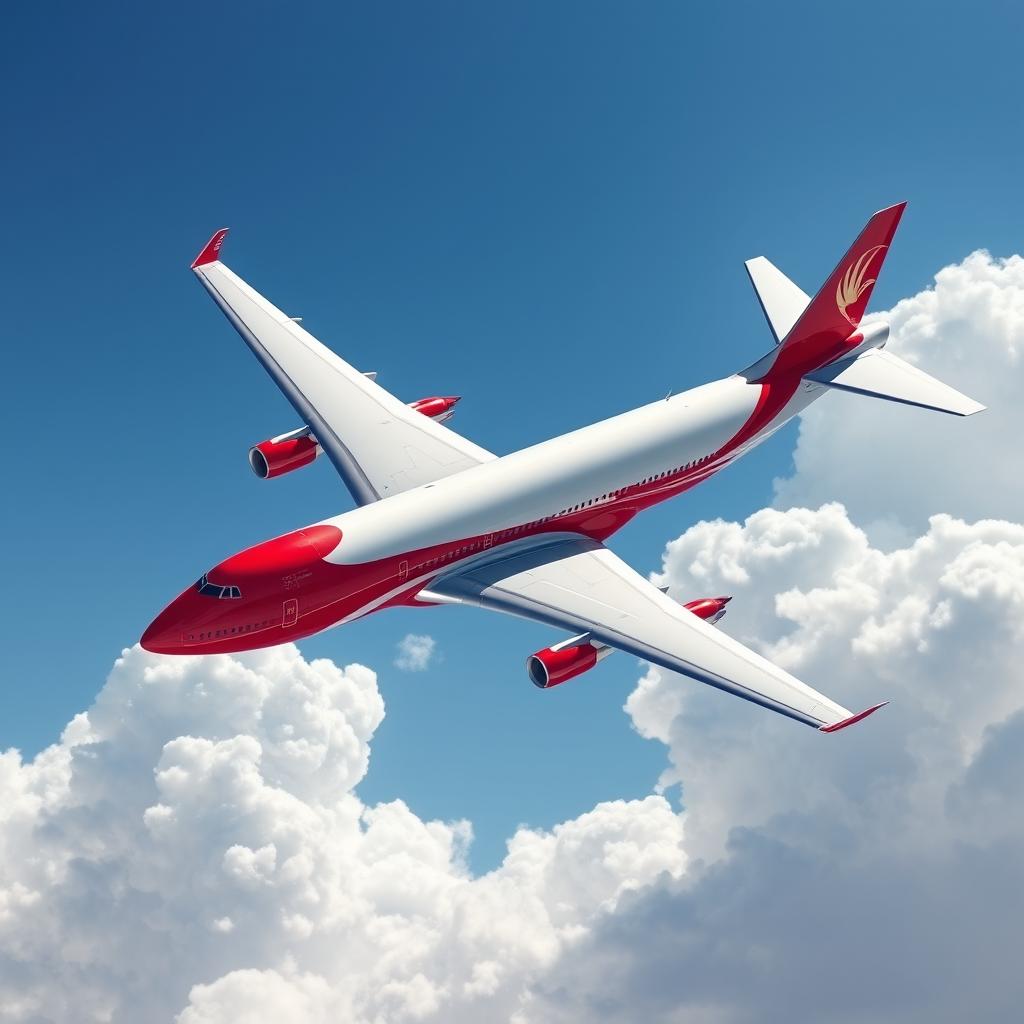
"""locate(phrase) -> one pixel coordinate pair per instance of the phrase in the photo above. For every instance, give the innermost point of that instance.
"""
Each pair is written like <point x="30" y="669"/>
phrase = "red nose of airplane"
<point x="164" y="633"/>
<point x="194" y="621"/>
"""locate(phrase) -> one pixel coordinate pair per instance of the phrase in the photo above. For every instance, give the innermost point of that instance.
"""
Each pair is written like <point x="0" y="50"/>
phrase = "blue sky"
<point x="543" y="208"/>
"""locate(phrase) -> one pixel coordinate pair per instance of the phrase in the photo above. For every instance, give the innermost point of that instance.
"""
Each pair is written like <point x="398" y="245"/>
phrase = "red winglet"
<point x="852" y="720"/>
<point x="211" y="251"/>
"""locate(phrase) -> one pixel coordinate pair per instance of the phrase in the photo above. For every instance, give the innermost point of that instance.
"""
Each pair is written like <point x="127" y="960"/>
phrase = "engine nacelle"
<point x="579" y="654"/>
<point x="565" y="661"/>
<point x="283" y="454"/>
<point x="710" y="609"/>
<point x="299" y="448"/>
<point x="437" y="408"/>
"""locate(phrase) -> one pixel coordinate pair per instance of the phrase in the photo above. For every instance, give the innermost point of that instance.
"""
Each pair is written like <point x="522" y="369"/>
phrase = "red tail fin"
<point x="820" y="335"/>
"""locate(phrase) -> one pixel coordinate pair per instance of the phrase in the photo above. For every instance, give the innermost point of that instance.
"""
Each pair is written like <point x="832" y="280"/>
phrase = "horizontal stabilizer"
<point x="781" y="300"/>
<point x="880" y="374"/>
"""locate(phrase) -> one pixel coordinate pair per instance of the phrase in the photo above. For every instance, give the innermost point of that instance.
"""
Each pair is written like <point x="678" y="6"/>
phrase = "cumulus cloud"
<point x="192" y="849"/>
<point x="871" y="875"/>
<point x="893" y="466"/>
<point x="415" y="652"/>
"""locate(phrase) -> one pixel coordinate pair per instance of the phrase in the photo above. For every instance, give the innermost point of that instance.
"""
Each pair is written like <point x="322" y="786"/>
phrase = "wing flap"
<point x="580" y="586"/>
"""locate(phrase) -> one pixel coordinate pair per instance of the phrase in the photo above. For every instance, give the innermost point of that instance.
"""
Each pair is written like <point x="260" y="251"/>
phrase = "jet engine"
<point x="565" y="661"/>
<point x="710" y="609"/>
<point x="284" y="453"/>
<point x="299" y="448"/>
<point x="437" y="408"/>
<point x="579" y="654"/>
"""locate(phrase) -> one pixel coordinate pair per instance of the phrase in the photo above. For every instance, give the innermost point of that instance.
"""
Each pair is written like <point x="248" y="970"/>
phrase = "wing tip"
<point x="211" y="251"/>
<point x="852" y="720"/>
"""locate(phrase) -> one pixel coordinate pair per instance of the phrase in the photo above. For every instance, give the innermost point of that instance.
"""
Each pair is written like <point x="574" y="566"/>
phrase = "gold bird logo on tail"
<point x="852" y="284"/>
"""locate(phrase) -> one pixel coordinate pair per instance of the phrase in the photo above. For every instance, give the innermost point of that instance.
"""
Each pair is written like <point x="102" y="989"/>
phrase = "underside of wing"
<point x="579" y="585"/>
<point x="378" y="444"/>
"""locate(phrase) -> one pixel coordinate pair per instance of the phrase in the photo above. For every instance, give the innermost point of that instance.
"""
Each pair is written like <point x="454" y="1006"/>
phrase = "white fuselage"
<point x="588" y="483"/>
<point x="662" y="447"/>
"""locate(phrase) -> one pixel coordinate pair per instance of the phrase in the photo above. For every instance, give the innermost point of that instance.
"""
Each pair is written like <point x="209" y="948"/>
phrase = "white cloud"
<point x="871" y="875"/>
<point x="415" y="652"/>
<point x="893" y="466"/>
<point x="193" y="847"/>
<point x="259" y="997"/>
<point x="867" y="874"/>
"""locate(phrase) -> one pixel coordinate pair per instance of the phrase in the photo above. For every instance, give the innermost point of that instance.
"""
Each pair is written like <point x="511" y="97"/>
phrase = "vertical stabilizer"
<point x="825" y="330"/>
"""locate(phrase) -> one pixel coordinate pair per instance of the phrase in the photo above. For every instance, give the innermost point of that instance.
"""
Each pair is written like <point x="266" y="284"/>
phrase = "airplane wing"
<point x="377" y="443"/>
<point x="578" y="585"/>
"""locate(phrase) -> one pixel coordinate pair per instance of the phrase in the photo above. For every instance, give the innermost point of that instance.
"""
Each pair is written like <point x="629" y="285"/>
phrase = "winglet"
<point x="852" y="720"/>
<point x="211" y="251"/>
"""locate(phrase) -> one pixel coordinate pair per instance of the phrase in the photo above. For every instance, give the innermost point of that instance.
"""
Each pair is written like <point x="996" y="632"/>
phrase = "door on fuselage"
<point x="291" y="612"/>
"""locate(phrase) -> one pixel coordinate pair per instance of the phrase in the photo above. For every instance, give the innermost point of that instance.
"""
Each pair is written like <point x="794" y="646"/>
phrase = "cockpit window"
<point x="204" y="586"/>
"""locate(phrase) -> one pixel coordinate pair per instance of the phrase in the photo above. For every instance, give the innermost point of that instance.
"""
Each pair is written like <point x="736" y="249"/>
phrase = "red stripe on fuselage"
<point x="292" y="568"/>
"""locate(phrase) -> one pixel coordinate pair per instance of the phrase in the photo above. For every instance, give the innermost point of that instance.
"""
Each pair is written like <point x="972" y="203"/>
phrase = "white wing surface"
<point x="879" y="374"/>
<point x="580" y="586"/>
<point x="376" y="442"/>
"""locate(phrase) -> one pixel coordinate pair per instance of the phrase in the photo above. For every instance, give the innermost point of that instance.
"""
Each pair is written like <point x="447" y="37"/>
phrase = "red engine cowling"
<point x="579" y="654"/>
<point x="283" y="454"/>
<point x="299" y="448"/>
<point x="439" y="409"/>
<point x="710" y="609"/>
<point x="564" y="661"/>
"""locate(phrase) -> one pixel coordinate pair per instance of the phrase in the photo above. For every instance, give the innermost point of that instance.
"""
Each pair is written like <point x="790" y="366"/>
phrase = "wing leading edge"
<point x="580" y="586"/>
<point x="378" y="445"/>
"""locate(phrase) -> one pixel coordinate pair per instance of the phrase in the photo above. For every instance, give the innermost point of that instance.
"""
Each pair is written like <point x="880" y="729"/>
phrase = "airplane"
<point x="441" y="521"/>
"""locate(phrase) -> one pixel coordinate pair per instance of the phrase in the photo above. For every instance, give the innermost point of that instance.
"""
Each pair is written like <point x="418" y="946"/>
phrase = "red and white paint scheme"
<point x="439" y="520"/>
<point x="572" y="657"/>
<point x="299" y="448"/>
<point x="438" y="409"/>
